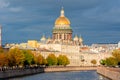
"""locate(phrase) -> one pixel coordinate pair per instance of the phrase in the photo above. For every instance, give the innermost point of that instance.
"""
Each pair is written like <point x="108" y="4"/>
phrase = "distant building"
<point x="101" y="48"/>
<point x="32" y="43"/>
<point x="119" y="44"/>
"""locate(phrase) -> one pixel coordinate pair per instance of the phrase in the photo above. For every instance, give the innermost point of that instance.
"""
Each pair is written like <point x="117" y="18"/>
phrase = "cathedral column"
<point x="56" y="36"/>
<point x="60" y="36"/>
<point x="66" y="36"/>
<point x="63" y="36"/>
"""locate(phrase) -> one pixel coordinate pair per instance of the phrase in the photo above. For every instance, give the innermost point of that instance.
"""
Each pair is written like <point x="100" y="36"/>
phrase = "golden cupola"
<point x="62" y="20"/>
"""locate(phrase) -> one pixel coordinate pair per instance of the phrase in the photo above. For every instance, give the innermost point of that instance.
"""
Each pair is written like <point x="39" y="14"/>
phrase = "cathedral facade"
<point x="62" y="39"/>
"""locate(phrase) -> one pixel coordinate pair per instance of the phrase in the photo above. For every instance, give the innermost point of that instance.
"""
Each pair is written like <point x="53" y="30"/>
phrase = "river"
<point x="74" y="75"/>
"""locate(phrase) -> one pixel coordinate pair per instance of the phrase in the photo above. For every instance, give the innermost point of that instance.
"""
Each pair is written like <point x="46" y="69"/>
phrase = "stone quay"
<point x="112" y="73"/>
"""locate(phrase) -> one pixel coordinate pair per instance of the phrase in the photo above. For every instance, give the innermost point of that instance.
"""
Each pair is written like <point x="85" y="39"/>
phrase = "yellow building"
<point x="32" y="43"/>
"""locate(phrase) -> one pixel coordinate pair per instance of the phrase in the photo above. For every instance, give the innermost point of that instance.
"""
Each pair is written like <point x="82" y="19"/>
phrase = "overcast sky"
<point x="97" y="21"/>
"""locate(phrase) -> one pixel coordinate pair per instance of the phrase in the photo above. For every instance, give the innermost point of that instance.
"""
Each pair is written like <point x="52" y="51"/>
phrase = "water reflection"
<point x="76" y="75"/>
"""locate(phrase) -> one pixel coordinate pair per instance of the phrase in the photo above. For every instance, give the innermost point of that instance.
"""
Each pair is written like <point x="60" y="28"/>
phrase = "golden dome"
<point x="62" y="20"/>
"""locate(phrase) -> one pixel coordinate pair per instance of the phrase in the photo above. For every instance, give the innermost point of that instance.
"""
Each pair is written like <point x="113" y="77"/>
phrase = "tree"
<point x="39" y="59"/>
<point x="45" y="61"/>
<point x="63" y="60"/>
<point x="111" y="61"/>
<point x="60" y="60"/>
<point x="29" y="57"/>
<point x="1" y="50"/>
<point x="103" y="62"/>
<point x="116" y="55"/>
<point x="93" y="61"/>
<point x="3" y="60"/>
<point x="51" y="60"/>
<point x="15" y="57"/>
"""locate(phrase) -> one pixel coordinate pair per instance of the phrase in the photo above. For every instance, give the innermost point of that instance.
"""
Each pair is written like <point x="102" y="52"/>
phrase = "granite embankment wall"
<point x="23" y="72"/>
<point x="112" y="73"/>
<point x="9" y="73"/>
<point x="69" y="68"/>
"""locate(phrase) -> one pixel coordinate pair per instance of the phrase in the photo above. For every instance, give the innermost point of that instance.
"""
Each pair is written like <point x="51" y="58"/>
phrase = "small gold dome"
<point x="62" y="20"/>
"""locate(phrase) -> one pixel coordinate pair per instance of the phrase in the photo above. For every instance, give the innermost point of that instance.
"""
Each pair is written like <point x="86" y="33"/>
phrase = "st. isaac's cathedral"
<point x="62" y="32"/>
<point x="60" y="41"/>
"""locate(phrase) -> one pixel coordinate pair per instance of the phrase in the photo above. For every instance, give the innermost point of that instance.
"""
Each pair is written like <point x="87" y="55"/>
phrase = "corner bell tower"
<point x="62" y="29"/>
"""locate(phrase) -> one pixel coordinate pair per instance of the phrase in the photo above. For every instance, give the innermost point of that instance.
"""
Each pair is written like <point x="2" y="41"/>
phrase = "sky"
<point x="97" y="21"/>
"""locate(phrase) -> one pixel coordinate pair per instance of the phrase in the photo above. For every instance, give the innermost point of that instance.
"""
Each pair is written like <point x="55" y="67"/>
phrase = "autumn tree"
<point x="93" y="61"/>
<point x="15" y="57"/>
<point x="1" y="50"/>
<point x="39" y="59"/>
<point x="51" y="60"/>
<point x="111" y="61"/>
<point x="3" y="60"/>
<point x="116" y="55"/>
<point x="45" y="62"/>
<point x="29" y="57"/>
<point x="63" y="60"/>
<point x="60" y="60"/>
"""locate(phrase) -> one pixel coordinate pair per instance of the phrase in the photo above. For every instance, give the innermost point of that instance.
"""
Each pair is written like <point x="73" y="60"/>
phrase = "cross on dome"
<point x="62" y="12"/>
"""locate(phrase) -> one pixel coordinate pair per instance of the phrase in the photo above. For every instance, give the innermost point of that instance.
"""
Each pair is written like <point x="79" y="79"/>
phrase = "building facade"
<point x="119" y="44"/>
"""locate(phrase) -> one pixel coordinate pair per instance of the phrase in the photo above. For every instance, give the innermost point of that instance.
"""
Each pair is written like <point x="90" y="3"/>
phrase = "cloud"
<point x="15" y="9"/>
<point x="4" y="4"/>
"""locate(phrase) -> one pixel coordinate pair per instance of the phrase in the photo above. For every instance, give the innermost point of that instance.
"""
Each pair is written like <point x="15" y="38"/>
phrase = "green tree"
<point x="29" y="57"/>
<point x="60" y="60"/>
<point x="45" y="62"/>
<point x="66" y="60"/>
<point x="15" y="57"/>
<point x="116" y="55"/>
<point x="63" y="60"/>
<point x="51" y="60"/>
<point x="93" y="62"/>
<point x="111" y="61"/>
<point x="103" y="62"/>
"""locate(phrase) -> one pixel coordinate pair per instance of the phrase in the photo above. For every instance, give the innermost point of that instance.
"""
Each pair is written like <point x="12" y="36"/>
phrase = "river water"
<point x="74" y="75"/>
